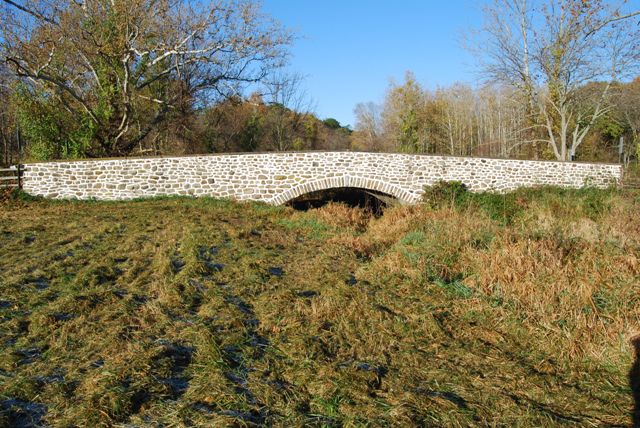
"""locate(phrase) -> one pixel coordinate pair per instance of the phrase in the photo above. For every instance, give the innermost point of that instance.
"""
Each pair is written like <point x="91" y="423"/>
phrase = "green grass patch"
<point x="312" y="227"/>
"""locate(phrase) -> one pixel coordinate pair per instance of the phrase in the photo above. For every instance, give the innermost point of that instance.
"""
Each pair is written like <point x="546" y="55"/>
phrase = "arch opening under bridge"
<point x="382" y="190"/>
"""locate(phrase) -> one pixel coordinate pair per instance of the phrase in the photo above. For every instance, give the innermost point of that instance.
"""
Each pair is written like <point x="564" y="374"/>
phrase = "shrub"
<point x="444" y="193"/>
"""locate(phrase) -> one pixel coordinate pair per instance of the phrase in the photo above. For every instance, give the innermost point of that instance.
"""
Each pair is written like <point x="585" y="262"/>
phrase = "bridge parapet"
<point x="278" y="177"/>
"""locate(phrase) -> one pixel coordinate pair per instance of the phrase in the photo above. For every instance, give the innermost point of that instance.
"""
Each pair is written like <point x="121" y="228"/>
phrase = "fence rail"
<point x="631" y="184"/>
<point x="11" y="177"/>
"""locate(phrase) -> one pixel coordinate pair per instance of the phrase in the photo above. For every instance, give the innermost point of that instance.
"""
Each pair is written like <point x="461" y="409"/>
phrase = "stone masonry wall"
<point x="278" y="177"/>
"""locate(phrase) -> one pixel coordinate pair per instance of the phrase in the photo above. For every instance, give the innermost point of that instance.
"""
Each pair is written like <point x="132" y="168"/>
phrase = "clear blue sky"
<point x="348" y="50"/>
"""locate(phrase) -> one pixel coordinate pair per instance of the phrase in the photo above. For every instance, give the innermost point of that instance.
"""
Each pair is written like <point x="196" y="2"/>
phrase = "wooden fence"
<point x="11" y="177"/>
<point x="631" y="183"/>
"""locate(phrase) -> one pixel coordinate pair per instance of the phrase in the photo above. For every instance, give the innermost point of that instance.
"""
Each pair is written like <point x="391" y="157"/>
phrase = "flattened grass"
<point x="202" y="312"/>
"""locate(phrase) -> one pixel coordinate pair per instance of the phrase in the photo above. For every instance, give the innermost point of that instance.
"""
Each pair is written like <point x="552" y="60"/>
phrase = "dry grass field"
<point x="468" y="310"/>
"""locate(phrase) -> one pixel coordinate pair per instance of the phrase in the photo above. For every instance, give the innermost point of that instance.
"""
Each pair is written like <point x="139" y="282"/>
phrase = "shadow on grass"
<point x="634" y="380"/>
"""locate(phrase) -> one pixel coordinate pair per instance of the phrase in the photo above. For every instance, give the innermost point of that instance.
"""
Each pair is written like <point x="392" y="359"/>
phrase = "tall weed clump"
<point x="562" y="263"/>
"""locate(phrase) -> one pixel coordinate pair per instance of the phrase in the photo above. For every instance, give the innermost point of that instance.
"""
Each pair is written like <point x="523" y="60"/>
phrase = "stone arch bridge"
<point x="276" y="178"/>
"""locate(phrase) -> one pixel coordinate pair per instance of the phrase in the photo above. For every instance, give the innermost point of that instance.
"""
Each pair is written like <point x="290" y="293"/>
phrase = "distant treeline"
<point x="133" y="77"/>
<point x="495" y="121"/>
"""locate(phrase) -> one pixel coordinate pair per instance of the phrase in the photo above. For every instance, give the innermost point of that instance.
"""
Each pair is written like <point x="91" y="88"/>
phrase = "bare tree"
<point x="8" y="121"/>
<point x="122" y="66"/>
<point x="628" y="109"/>
<point x="289" y="106"/>
<point x="549" y="50"/>
<point x="368" y="130"/>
